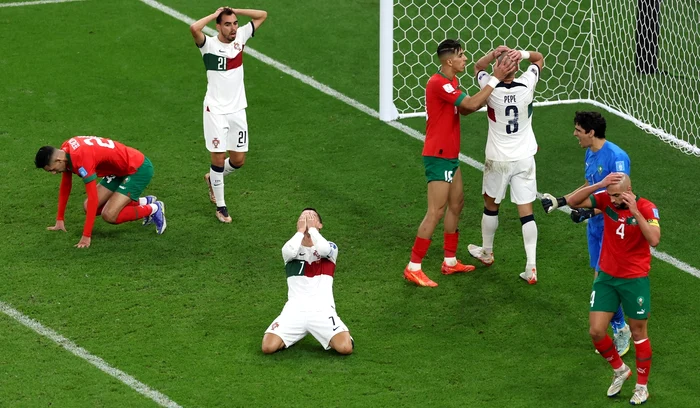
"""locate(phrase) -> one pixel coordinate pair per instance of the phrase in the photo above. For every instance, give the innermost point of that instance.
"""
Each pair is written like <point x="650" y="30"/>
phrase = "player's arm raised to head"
<point x="536" y="58"/>
<point x="291" y="248"/>
<point x="474" y="103"/>
<point x="488" y="58"/>
<point x="257" y="16"/>
<point x="581" y="197"/>
<point x="649" y="224"/>
<point x="321" y="244"/>
<point x="197" y="27"/>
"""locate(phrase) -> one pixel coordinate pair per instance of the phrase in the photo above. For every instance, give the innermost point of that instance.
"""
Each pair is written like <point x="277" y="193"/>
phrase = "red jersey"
<point x="625" y="253"/>
<point x="90" y="157"/>
<point x="442" y="135"/>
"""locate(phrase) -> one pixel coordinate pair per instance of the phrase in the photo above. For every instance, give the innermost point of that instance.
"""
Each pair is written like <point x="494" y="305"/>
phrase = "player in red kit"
<point x="444" y="102"/>
<point x="125" y="170"/>
<point x="631" y="227"/>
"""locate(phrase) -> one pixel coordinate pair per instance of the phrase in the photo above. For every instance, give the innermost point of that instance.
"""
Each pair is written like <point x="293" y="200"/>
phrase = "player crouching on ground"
<point x="125" y="170"/>
<point x="310" y="266"/>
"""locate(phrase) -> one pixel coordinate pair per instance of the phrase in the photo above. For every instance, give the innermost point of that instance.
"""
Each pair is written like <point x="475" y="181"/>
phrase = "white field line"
<point x="35" y="3"/>
<point x="133" y="383"/>
<point x="366" y="109"/>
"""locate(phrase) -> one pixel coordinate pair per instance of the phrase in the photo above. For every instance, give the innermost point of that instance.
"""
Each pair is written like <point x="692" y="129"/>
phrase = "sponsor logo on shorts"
<point x="641" y="312"/>
<point x="240" y="145"/>
<point x="336" y="328"/>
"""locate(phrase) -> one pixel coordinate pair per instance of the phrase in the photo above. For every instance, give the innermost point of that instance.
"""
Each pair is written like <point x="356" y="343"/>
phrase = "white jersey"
<point x="310" y="272"/>
<point x="224" y="65"/>
<point x="509" y="107"/>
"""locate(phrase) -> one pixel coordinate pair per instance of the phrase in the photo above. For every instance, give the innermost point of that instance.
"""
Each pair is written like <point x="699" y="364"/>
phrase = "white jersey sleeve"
<point x="483" y="78"/>
<point x="244" y="33"/>
<point x="205" y="48"/>
<point x="291" y="248"/>
<point x="320" y="243"/>
<point x="531" y="76"/>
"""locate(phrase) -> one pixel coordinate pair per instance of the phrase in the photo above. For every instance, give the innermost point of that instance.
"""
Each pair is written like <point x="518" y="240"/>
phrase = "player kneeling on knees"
<point x="309" y="261"/>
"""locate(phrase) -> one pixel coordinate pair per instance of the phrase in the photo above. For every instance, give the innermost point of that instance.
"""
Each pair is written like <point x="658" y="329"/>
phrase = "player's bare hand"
<point x="58" y="227"/>
<point x="500" y="50"/>
<point x="218" y="11"/>
<point x="83" y="243"/>
<point x="612" y="178"/>
<point x="629" y="199"/>
<point x="504" y="68"/>
<point x="515" y="55"/>
<point x="312" y="220"/>
<point x="301" y="223"/>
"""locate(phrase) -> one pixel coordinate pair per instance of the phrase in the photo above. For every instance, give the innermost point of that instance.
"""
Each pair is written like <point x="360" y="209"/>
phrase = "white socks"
<point x="530" y="241"/>
<point x="228" y="169"/>
<point x="217" y="184"/>
<point x="489" y="224"/>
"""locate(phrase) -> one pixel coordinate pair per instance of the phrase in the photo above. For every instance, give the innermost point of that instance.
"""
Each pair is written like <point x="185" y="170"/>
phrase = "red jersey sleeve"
<point x="600" y="200"/>
<point x="92" y="201"/>
<point x="64" y="194"/>
<point x="649" y="211"/>
<point x="441" y="88"/>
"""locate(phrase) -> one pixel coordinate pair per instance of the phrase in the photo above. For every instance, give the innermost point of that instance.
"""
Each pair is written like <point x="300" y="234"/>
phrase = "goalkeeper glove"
<point x="581" y="214"/>
<point x="550" y="203"/>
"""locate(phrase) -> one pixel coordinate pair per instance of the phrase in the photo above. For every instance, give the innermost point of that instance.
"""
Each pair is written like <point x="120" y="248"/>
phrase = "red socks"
<point x="420" y="248"/>
<point x="643" y="354"/>
<point x="450" y="246"/>
<point x="607" y="349"/>
<point x="133" y="212"/>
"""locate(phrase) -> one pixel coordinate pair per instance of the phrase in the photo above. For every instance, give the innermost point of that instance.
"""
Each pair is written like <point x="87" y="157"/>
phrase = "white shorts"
<point x="292" y="325"/>
<point x="226" y="132"/>
<point x="520" y="175"/>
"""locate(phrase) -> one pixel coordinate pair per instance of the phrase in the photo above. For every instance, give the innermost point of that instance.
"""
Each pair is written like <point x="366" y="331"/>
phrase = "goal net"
<point x="639" y="59"/>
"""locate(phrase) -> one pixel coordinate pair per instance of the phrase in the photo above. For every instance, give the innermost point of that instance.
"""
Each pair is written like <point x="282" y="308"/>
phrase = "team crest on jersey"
<point x="633" y="221"/>
<point x="216" y="142"/>
<point x="600" y="169"/>
<point x="448" y="88"/>
<point x="237" y="46"/>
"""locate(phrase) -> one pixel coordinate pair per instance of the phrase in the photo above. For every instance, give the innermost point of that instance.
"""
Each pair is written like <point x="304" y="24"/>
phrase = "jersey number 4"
<point x="621" y="231"/>
<point x="512" y="125"/>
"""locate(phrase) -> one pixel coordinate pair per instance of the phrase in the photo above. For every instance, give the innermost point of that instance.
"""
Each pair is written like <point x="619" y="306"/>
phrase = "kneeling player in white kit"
<point x="310" y="265"/>
<point x="510" y="154"/>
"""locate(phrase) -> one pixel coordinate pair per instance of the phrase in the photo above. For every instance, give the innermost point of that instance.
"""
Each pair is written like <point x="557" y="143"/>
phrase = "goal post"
<point x="637" y="59"/>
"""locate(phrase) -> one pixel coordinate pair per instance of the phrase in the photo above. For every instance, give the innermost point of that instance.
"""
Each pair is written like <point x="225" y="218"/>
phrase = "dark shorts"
<point x="132" y="185"/>
<point x="439" y="169"/>
<point x="610" y="292"/>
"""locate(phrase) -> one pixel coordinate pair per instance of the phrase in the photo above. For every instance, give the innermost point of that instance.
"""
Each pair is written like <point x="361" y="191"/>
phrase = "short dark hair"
<point x="448" y="46"/>
<point x="225" y="12"/>
<point x="591" y="121"/>
<point x="43" y="156"/>
<point x="314" y="210"/>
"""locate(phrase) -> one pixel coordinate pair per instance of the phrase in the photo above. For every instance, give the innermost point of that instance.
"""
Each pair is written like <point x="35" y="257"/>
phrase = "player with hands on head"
<point x="602" y="157"/>
<point x="444" y="102"/>
<point x="510" y="153"/>
<point x="225" y="103"/>
<point x="631" y="228"/>
<point x="310" y="262"/>
<point x="125" y="171"/>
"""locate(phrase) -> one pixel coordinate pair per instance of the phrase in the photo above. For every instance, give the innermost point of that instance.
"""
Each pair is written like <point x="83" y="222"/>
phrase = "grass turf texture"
<point x="185" y="312"/>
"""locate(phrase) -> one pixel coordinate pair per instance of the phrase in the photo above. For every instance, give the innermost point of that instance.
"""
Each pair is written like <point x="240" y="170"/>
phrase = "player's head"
<point x="503" y="56"/>
<point x="312" y="211"/>
<point x="51" y="159"/>
<point x="227" y="25"/>
<point x="587" y="126"/>
<point x="451" y="55"/>
<point x="615" y="191"/>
